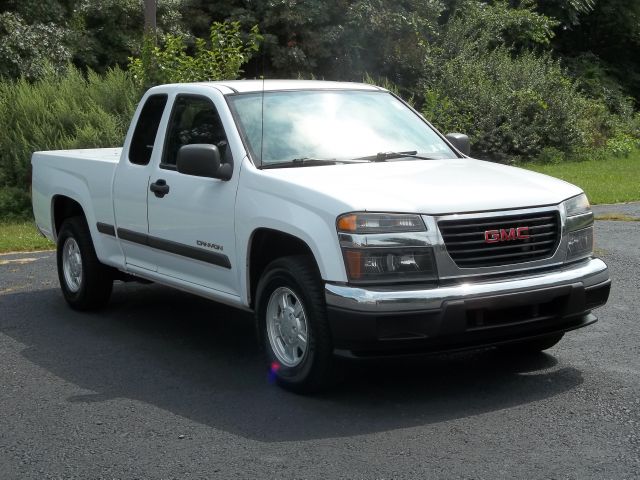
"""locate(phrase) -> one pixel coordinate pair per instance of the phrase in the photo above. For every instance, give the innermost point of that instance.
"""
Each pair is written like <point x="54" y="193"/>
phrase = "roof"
<point x="247" y="86"/>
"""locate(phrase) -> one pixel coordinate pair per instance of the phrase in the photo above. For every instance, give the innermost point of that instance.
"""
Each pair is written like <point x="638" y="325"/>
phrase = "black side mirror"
<point x="460" y="141"/>
<point x="202" y="160"/>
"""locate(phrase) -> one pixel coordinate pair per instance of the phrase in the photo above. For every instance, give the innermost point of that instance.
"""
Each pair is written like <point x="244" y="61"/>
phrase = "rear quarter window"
<point x="144" y="135"/>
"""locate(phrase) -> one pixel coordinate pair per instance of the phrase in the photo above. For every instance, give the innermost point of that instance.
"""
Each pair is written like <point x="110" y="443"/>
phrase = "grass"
<point x="22" y="237"/>
<point x="609" y="180"/>
<point x="618" y="217"/>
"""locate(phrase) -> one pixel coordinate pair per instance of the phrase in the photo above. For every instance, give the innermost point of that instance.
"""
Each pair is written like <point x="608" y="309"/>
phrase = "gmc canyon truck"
<point x="335" y="212"/>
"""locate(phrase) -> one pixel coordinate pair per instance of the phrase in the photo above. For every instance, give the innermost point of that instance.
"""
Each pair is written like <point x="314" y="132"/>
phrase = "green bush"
<point x="488" y="75"/>
<point x="407" y="95"/>
<point x="511" y="107"/>
<point x="621" y="145"/>
<point x="15" y="204"/>
<point x="60" y="111"/>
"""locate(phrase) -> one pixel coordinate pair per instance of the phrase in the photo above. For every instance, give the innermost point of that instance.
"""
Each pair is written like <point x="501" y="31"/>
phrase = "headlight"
<point x="578" y="213"/>
<point x="379" y="248"/>
<point x="578" y="227"/>
<point x="577" y="205"/>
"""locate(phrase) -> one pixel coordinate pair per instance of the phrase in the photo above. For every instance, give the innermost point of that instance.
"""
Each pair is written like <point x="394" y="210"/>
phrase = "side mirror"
<point x="460" y="141"/>
<point x="202" y="160"/>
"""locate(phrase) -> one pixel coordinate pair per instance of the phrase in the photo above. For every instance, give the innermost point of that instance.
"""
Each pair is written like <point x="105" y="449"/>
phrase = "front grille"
<point x="466" y="244"/>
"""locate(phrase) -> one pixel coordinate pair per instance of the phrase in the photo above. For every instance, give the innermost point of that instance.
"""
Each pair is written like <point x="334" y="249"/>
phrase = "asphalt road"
<point x="165" y="385"/>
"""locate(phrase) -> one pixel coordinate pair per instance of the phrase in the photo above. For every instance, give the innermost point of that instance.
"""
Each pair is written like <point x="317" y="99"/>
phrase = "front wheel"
<point x="85" y="282"/>
<point x="292" y="324"/>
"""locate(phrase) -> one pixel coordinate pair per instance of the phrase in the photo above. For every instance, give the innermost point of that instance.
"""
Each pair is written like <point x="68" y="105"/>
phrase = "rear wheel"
<point x="532" y="346"/>
<point x="85" y="282"/>
<point x="292" y="324"/>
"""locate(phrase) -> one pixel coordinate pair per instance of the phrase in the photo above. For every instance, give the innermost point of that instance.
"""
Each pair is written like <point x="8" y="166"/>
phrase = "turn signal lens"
<point x="347" y="223"/>
<point x="580" y="244"/>
<point x="380" y="223"/>
<point x="354" y="263"/>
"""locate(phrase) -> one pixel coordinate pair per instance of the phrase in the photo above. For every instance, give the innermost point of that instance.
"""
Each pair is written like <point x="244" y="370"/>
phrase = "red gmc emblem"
<point x="506" y="235"/>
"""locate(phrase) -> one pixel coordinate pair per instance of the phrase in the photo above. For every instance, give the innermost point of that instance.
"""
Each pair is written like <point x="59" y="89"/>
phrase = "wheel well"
<point x="266" y="246"/>
<point x="63" y="208"/>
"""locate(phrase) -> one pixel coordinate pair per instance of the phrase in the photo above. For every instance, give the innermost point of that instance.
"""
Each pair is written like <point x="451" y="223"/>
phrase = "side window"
<point x="145" y="133"/>
<point x="194" y="120"/>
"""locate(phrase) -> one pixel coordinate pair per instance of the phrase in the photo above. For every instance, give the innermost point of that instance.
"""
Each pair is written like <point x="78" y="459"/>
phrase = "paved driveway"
<point x="166" y="385"/>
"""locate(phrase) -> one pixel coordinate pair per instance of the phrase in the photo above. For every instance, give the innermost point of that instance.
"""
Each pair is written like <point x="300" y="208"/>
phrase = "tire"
<point x="298" y="366"/>
<point x="532" y="346"/>
<point x="85" y="282"/>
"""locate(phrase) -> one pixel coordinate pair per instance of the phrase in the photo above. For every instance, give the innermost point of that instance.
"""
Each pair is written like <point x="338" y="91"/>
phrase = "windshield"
<point x="340" y="125"/>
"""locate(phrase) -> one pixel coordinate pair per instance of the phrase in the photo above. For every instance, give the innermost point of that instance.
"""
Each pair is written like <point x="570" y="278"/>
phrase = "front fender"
<point x="258" y="210"/>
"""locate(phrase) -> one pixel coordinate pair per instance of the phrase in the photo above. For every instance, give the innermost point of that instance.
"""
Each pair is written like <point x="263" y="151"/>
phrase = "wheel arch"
<point x="267" y="245"/>
<point x="63" y="207"/>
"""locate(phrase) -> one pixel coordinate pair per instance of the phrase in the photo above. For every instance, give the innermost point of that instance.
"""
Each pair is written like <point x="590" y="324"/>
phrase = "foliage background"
<point x="528" y="80"/>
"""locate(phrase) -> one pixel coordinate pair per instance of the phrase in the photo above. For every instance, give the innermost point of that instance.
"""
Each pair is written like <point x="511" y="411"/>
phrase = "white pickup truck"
<point x="335" y="212"/>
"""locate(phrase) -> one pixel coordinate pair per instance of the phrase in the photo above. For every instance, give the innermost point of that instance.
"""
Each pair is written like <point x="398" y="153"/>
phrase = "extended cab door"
<point x="131" y="182"/>
<point x="191" y="219"/>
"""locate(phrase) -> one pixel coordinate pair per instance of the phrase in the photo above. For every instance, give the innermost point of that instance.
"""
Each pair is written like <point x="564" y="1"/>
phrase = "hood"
<point x="425" y="186"/>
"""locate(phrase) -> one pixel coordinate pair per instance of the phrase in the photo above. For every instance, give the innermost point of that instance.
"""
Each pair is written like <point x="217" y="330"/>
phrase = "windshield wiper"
<point x="301" y="162"/>
<point x="384" y="156"/>
<point x="306" y="162"/>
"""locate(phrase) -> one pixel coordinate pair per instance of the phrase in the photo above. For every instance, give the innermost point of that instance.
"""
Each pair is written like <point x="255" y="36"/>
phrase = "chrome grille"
<point x="466" y="244"/>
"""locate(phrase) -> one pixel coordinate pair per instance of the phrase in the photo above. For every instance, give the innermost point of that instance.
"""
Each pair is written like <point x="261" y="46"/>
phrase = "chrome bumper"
<point x="400" y="299"/>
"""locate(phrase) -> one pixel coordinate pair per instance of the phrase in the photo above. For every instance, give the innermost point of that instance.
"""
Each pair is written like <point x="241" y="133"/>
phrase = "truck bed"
<point x="83" y="175"/>
<point x="111" y="155"/>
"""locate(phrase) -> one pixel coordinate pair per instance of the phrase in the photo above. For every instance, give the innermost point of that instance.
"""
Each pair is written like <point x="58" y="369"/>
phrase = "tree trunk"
<point x="150" y="17"/>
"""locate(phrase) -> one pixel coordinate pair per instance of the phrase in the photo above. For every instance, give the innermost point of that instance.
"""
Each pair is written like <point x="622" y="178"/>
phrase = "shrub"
<point x="60" y="111"/>
<point x="511" y="107"/>
<point x="15" y="204"/>
<point x="487" y="76"/>
<point x="550" y="155"/>
<point x="621" y="145"/>
<point x="407" y="95"/>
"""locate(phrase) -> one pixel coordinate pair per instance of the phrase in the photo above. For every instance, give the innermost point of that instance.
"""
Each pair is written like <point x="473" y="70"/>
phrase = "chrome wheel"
<point x="287" y="327"/>
<point x="72" y="264"/>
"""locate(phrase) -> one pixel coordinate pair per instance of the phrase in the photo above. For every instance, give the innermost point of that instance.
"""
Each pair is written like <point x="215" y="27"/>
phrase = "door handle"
<point x="159" y="188"/>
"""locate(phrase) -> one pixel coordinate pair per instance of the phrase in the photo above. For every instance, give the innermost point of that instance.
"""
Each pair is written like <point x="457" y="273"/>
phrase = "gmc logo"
<point x="506" y="235"/>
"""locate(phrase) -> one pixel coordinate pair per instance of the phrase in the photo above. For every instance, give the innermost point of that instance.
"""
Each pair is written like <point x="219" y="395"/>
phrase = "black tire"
<point x="533" y="346"/>
<point x="96" y="281"/>
<point x="300" y="275"/>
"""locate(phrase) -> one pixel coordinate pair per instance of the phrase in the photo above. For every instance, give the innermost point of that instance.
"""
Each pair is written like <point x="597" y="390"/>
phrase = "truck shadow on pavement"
<point x="200" y="360"/>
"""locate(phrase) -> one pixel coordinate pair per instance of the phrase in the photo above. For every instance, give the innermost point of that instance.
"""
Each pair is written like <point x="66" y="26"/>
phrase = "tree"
<point x="219" y="59"/>
<point x="34" y="37"/>
<point x="610" y="36"/>
<point x="108" y="32"/>
<point x="331" y="39"/>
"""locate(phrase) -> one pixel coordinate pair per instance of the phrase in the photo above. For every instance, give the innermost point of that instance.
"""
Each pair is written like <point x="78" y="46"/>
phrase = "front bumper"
<point x="400" y="320"/>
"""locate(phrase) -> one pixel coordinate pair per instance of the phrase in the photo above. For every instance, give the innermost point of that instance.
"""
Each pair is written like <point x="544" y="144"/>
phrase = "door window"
<point x="194" y="120"/>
